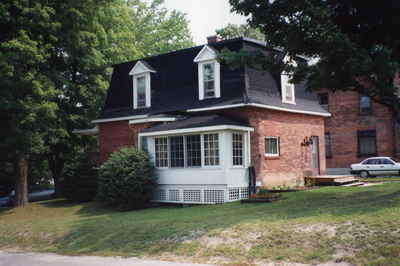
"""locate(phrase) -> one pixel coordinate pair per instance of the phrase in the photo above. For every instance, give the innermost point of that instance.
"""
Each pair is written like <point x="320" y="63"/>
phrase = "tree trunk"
<point x="21" y="188"/>
<point x="56" y="165"/>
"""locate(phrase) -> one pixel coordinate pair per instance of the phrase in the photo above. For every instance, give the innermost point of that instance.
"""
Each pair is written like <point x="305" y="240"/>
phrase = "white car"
<point x="376" y="166"/>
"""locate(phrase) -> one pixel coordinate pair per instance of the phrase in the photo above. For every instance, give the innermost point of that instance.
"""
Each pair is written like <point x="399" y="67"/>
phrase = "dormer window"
<point x="288" y="88"/>
<point x="141" y="74"/>
<point x="140" y="92"/>
<point x="208" y="73"/>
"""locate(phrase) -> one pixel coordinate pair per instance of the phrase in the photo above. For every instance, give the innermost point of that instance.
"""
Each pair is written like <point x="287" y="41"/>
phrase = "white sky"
<point x="205" y="16"/>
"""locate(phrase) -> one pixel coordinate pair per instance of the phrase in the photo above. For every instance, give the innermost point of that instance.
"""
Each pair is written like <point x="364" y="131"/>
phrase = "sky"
<point x="205" y="16"/>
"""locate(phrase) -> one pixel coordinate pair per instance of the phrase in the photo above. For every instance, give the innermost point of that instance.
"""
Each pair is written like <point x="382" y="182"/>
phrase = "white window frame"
<point x="185" y="151"/>
<point x="208" y="55"/>
<point x="243" y="150"/>
<point x="278" y="148"/>
<point x="155" y="153"/>
<point x="147" y="90"/>
<point x="217" y="81"/>
<point x="285" y="84"/>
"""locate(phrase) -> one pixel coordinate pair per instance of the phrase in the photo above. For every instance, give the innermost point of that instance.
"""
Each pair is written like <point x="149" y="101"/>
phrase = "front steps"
<point x="329" y="180"/>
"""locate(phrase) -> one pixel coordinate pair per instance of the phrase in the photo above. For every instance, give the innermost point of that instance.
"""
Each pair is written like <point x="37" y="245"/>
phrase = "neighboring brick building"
<point x="358" y="128"/>
<point x="205" y="123"/>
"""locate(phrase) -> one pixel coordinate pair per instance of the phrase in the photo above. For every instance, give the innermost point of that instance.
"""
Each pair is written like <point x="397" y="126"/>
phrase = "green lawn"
<point x="358" y="225"/>
<point x="381" y="179"/>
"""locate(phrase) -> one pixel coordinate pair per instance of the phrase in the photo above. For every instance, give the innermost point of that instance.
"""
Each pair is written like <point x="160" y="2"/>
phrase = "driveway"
<point x="46" y="259"/>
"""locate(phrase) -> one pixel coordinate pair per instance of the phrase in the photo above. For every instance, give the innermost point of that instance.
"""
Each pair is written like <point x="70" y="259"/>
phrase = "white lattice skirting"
<point x="200" y="194"/>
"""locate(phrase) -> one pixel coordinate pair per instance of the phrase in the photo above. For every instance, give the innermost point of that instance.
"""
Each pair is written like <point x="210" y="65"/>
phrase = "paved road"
<point x="34" y="196"/>
<point x="45" y="259"/>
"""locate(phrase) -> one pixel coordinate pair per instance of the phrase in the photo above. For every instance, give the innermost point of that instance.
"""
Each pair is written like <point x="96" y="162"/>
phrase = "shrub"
<point x="80" y="178"/>
<point x="127" y="180"/>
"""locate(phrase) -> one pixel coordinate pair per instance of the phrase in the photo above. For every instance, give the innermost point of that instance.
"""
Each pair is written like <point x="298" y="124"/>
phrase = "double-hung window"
<point x="208" y="73"/>
<point x="209" y="80"/>
<point x="141" y="75"/>
<point x="272" y="146"/>
<point x="177" y="151"/>
<point x="237" y="149"/>
<point x="365" y="104"/>
<point x="193" y="150"/>
<point x="211" y="149"/>
<point x="140" y="92"/>
<point x="162" y="154"/>
<point x="366" y="143"/>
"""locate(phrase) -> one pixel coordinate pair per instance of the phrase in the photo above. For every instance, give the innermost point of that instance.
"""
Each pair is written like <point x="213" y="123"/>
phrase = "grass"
<point x="358" y="225"/>
<point x="381" y="179"/>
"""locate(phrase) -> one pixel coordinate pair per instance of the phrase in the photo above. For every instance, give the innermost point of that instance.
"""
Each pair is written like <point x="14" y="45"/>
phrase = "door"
<point x="389" y="167"/>
<point x="315" y="153"/>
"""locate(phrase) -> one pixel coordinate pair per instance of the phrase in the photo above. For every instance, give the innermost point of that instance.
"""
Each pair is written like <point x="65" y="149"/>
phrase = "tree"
<point x="55" y="59"/>
<point x="26" y="92"/>
<point x="355" y="42"/>
<point x="94" y="35"/>
<point x="234" y="31"/>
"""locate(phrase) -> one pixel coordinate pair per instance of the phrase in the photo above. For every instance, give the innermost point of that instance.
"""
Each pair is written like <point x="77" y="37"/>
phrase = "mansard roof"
<point x="174" y="84"/>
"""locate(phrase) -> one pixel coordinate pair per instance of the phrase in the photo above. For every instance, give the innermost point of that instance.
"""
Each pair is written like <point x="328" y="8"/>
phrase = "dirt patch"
<point x="327" y="229"/>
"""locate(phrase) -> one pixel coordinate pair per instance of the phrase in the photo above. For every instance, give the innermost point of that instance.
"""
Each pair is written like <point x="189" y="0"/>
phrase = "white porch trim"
<point x="152" y="119"/>
<point x="196" y="129"/>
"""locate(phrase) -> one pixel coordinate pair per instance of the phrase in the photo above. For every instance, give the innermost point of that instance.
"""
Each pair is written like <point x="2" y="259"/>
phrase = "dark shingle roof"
<point x="174" y="87"/>
<point x="195" y="122"/>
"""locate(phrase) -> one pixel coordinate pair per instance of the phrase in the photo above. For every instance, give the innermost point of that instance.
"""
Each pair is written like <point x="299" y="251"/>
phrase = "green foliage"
<point x="234" y="31"/>
<point x="127" y="180"/>
<point x="355" y="42"/>
<point x="80" y="178"/>
<point x="55" y="59"/>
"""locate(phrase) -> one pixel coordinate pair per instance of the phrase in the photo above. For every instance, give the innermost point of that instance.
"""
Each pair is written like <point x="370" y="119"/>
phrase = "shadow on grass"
<point x="144" y="231"/>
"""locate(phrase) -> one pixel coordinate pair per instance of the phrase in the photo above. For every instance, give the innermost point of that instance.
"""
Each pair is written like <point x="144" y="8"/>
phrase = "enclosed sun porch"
<point x="200" y="159"/>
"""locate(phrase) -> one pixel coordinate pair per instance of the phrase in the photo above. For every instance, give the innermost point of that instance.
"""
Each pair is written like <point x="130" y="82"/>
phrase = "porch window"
<point x="161" y="146"/>
<point x="237" y="149"/>
<point x="177" y="152"/>
<point x="272" y="146"/>
<point x="211" y="149"/>
<point x="366" y="143"/>
<point x="193" y="150"/>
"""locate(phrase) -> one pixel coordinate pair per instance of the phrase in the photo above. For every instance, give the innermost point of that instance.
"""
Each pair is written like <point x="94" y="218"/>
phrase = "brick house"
<point x="358" y="128"/>
<point x="204" y="123"/>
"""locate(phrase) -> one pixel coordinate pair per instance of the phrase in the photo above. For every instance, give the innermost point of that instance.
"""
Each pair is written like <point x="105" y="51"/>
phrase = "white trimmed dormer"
<point x="209" y="75"/>
<point x="141" y="76"/>
<point x="288" y="88"/>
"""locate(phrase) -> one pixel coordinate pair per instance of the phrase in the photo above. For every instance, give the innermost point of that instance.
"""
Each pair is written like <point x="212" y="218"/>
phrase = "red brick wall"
<point x="294" y="161"/>
<point x="289" y="168"/>
<point x="346" y="120"/>
<point x="114" y="135"/>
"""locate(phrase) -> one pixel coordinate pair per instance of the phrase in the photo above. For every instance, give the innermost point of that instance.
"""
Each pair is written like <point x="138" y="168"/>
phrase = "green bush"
<point x="80" y="178"/>
<point x="127" y="180"/>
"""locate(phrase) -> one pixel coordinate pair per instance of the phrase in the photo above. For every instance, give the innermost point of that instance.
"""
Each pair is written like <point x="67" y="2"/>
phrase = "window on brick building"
<point x="366" y="143"/>
<point x="328" y="145"/>
<point x="272" y="146"/>
<point x="323" y="99"/>
<point x="365" y="104"/>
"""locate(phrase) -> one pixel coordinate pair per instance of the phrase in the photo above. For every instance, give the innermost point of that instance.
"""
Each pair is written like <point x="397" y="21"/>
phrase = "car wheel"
<point x="364" y="174"/>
